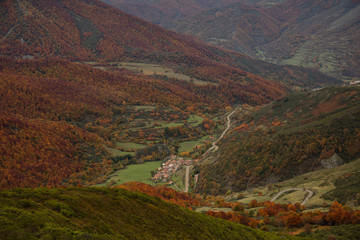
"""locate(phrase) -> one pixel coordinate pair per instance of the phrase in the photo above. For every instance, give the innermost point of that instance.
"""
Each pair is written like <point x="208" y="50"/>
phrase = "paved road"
<point x="187" y="173"/>
<point x="294" y="189"/>
<point x="214" y="146"/>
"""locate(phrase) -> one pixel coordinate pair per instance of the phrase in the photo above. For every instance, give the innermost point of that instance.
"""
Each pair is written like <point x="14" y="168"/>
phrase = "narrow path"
<point x="214" y="146"/>
<point x="8" y="33"/>
<point x="177" y="187"/>
<point x="294" y="189"/>
<point x="187" y="173"/>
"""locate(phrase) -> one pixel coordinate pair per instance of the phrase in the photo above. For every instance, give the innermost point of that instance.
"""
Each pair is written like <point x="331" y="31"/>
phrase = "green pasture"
<point x="155" y="69"/>
<point x="195" y="120"/>
<point x="117" y="153"/>
<point x="135" y="172"/>
<point x="129" y="145"/>
<point x="189" y="145"/>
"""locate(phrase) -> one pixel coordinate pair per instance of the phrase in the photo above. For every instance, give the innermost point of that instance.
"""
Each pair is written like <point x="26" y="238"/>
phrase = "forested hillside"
<point x="323" y="35"/>
<point x="87" y="90"/>
<point x="56" y="116"/>
<point x="89" y="111"/>
<point x="83" y="31"/>
<point x="95" y="213"/>
<point x="162" y="11"/>
<point x="284" y="139"/>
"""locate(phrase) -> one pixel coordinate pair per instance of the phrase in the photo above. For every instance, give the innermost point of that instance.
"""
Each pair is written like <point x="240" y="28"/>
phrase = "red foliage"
<point x="36" y="153"/>
<point x="338" y="215"/>
<point x="78" y="30"/>
<point x="234" y="217"/>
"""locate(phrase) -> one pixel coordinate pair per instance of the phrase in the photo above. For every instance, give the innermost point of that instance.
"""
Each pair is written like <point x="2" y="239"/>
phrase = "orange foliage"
<point x="36" y="153"/>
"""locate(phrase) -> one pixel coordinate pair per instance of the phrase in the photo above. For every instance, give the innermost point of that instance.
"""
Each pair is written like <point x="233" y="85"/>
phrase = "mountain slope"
<point x="94" y="213"/>
<point x="160" y="12"/>
<point x="56" y="115"/>
<point x="239" y="27"/>
<point x="317" y="34"/>
<point x="88" y="107"/>
<point x="80" y="30"/>
<point x="284" y="139"/>
<point x="331" y="45"/>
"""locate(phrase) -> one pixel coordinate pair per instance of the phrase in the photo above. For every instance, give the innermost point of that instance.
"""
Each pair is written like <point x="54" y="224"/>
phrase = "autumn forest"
<point x="110" y="123"/>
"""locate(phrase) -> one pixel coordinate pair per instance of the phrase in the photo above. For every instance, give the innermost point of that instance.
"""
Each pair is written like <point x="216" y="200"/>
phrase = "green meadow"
<point x="134" y="172"/>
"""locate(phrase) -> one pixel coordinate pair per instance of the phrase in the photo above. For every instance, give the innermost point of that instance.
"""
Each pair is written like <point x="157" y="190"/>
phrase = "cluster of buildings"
<point x="169" y="167"/>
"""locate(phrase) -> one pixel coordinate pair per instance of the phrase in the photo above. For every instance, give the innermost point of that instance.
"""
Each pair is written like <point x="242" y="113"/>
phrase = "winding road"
<point x="214" y="146"/>
<point x="295" y="189"/>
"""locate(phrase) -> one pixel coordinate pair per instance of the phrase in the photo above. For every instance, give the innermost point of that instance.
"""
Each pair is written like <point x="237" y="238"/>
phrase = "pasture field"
<point x="195" y="120"/>
<point x="155" y="69"/>
<point x="189" y="145"/>
<point x="171" y="124"/>
<point x="134" y="172"/>
<point x="128" y="145"/>
<point x="117" y="153"/>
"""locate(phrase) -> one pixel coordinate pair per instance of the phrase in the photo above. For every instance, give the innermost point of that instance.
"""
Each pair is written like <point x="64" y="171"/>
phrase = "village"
<point x="171" y="166"/>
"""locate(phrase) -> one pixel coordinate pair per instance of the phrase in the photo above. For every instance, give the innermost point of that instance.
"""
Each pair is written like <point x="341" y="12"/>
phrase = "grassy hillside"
<point x="284" y="139"/>
<point x="339" y="184"/>
<point x="96" y="213"/>
<point x="336" y="232"/>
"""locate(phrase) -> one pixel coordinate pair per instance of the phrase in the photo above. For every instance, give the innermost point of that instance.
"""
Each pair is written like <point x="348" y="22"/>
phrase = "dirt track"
<point x="294" y="189"/>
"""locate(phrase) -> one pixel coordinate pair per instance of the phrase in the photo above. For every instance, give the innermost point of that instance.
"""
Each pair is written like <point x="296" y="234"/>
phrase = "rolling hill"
<point x="99" y="213"/>
<point x="284" y="139"/>
<point x="319" y="34"/>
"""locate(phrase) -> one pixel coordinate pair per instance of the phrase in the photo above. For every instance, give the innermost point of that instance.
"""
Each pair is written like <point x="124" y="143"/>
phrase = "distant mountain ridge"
<point x="319" y="34"/>
<point x="94" y="31"/>
<point x="323" y="35"/>
<point x="238" y="26"/>
<point x="161" y="11"/>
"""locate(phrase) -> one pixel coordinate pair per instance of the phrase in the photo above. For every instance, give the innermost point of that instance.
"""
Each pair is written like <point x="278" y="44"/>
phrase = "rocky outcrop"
<point x="332" y="162"/>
